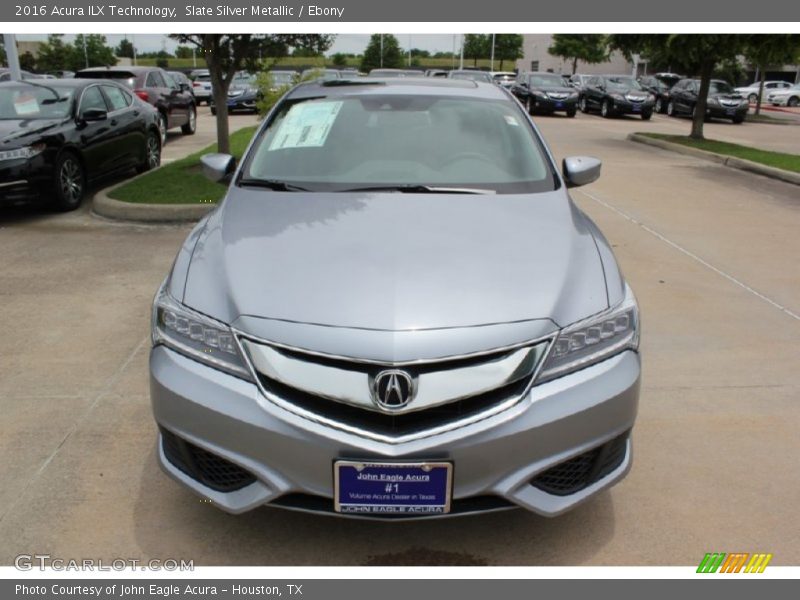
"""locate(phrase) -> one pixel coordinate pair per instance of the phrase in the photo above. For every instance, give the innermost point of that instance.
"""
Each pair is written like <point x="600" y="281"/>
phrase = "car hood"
<point x="14" y="133"/>
<point x="553" y="88"/>
<point x="394" y="261"/>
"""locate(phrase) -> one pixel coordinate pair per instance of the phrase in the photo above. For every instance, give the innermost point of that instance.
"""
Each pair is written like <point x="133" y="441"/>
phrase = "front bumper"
<point x="25" y="180"/>
<point x="242" y="103"/>
<point x="553" y="105"/>
<point x="291" y="457"/>
<point x="625" y="107"/>
<point x="727" y="112"/>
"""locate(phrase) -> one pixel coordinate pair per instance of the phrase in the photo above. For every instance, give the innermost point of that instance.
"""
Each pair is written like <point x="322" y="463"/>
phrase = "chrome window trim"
<point x="401" y="439"/>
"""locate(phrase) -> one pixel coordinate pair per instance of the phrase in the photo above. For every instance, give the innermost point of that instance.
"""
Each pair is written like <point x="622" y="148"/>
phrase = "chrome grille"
<point x="449" y="392"/>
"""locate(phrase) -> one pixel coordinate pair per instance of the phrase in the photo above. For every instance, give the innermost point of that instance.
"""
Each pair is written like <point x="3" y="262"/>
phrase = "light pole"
<point x="491" y="68"/>
<point x="85" y="51"/>
<point x="409" y="49"/>
<point x="10" y="41"/>
<point x="461" y="61"/>
<point x="381" y="51"/>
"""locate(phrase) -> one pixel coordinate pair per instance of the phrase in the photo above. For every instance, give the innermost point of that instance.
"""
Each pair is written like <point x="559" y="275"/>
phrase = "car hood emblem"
<point x="393" y="389"/>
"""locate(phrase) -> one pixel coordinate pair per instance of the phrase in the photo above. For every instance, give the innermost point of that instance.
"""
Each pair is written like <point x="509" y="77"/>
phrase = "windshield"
<point x="547" y="81"/>
<point x="349" y="142"/>
<point x="472" y="75"/>
<point x="243" y="79"/>
<point x="35" y="102"/>
<point x="282" y="77"/>
<point x="719" y="87"/>
<point x="623" y="83"/>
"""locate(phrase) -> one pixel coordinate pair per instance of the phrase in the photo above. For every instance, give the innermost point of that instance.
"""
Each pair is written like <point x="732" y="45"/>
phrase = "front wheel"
<point x="529" y="106"/>
<point x="671" y="109"/>
<point x="793" y="101"/>
<point x="606" y="110"/>
<point x="647" y="115"/>
<point x="752" y="98"/>
<point x="162" y="128"/>
<point x="659" y="107"/>
<point x="583" y="106"/>
<point x="737" y="120"/>
<point x="571" y="112"/>
<point x="70" y="182"/>
<point x="213" y="110"/>
<point x="191" y="125"/>
<point x="152" y="152"/>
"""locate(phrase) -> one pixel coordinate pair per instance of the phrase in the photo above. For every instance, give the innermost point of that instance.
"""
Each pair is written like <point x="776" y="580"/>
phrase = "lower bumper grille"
<point x="320" y="504"/>
<point x="206" y="467"/>
<point x="580" y="472"/>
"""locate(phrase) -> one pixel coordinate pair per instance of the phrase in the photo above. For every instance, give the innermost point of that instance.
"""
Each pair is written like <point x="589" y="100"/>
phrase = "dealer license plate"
<point x="421" y="488"/>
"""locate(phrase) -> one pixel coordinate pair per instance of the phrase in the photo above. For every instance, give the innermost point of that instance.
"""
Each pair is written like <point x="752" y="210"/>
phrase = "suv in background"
<point x="614" y="95"/>
<point x="176" y="107"/>
<point x="659" y="85"/>
<point x="201" y="85"/>
<point x="751" y="91"/>
<point x="545" y="93"/>
<point x="722" y="102"/>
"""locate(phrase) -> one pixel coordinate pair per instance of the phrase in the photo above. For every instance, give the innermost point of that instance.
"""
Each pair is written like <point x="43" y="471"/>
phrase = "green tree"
<point x="773" y="50"/>
<point x="27" y="61"/>
<point x="697" y="54"/>
<point x="392" y="55"/>
<point x="339" y="60"/>
<point x="225" y="54"/>
<point x="589" y="48"/>
<point x="507" y="46"/>
<point x="91" y="49"/>
<point x="53" y="54"/>
<point x="477" y="45"/>
<point x="125" y="49"/>
<point x="183" y="52"/>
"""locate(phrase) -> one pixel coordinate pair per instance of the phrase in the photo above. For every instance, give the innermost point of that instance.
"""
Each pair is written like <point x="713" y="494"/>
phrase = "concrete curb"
<point x="728" y="161"/>
<point x="109" y="208"/>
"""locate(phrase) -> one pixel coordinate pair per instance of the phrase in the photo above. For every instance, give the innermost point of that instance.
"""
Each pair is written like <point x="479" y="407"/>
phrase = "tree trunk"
<point x="700" y="106"/>
<point x="574" y="65"/>
<point x="219" y="90"/>
<point x="760" y="88"/>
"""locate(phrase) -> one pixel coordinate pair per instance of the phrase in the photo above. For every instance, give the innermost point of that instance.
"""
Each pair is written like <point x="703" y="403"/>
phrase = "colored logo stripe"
<point x="733" y="562"/>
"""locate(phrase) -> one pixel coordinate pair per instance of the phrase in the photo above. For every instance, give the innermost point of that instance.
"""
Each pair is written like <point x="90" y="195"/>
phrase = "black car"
<point x="659" y="85"/>
<point x="59" y="135"/>
<point x="243" y="94"/>
<point x="545" y="93"/>
<point x="176" y="105"/>
<point x="722" y="101"/>
<point x="613" y="95"/>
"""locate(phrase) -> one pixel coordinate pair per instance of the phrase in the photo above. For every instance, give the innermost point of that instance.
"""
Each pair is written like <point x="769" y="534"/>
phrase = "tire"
<point x="583" y="106"/>
<point x="190" y="127"/>
<point x="213" y="110"/>
<point x="162" y="128"/>
<point x="671" y="109"/>
<point x="793" y="101"/>
<point x="605" y="109"/>
<point x="70" y="182"/>
<point x="529" y="106"/>
<point x="152" y="152"/>
<point x="659" y="106"/>
<point x="752" y="98"/>
<point x="571" y="112"/>
<point x="737" y="120"/>
<point x="647" y="115"/>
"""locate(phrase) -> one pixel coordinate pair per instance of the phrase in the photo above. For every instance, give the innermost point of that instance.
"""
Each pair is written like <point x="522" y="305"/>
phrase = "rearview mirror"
<point x="580" y="170"/>
<point x="218" y="167"/>
<point x="94" y="114"/>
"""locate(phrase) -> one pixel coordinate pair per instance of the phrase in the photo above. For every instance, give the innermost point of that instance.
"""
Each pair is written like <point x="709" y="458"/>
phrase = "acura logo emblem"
<point x="392" y="390"/>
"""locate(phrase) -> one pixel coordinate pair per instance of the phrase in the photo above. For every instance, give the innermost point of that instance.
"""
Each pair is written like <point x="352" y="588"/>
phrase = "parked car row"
<point x="57" y="136"/>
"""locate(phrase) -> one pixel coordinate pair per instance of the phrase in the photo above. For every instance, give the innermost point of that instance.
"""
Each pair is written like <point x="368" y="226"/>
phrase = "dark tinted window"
<point x="92" y="99"/>
<point x="116" y="97"/>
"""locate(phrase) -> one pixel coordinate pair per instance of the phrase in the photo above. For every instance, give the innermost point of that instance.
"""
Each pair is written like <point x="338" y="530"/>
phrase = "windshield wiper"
<point x="412" y="188"/>
<point x="272" y="184"/>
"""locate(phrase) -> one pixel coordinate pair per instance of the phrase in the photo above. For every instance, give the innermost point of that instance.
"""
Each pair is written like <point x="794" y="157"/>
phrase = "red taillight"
<point x="142" y="94"/>
<point x="197" y="84"/>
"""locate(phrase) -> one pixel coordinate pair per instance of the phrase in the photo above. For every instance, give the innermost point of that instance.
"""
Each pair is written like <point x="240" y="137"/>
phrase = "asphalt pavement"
<point x="711" y="253"/>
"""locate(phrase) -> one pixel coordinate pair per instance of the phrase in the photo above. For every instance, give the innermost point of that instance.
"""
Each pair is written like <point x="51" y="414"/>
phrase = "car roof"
<point x="424" y="86"/>
<point x="58" y="82"/>
<point x="119" y="68"/>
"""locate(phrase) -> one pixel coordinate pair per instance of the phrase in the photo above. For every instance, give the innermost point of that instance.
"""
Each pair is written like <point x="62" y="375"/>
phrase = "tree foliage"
<point x="589" y="48"/>
<point x="392" y="55"/>
<point x="770" y="50"/>
<point x="477" y="45"/>
<point x="56" y="55"/>
<point x="125" y="49"/>
<point x="507" y="46"/>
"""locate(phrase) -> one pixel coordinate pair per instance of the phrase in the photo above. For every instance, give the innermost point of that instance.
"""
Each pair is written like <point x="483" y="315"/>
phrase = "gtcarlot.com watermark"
<point x="29" y="562"/>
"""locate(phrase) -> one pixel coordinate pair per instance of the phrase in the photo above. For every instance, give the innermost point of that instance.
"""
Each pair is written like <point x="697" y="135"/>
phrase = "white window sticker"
<point x="25" y="104"/>
<point x="306" y="125"/>
<point x="511" y="121"/>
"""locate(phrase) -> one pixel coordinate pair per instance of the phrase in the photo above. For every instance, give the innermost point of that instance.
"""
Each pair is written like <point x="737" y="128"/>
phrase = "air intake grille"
<point x="580" y="472"/>
<point x="206" y="467"/>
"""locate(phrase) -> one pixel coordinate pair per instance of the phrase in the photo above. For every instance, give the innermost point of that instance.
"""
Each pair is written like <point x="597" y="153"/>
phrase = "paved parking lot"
<point x="711" y="252"/>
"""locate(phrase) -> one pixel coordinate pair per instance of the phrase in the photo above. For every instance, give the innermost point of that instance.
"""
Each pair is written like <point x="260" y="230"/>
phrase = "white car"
<point x="751" y="91"/>
<point x="785" y="97"/>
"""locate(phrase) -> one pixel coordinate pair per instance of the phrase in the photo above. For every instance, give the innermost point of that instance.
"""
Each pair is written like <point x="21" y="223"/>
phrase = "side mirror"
<point x="581" y="170"/>
<point x="94" y="114"/>
<point x="523" y="84"/>
<point x="185" y="87"/>
<point x="218" y="167"/>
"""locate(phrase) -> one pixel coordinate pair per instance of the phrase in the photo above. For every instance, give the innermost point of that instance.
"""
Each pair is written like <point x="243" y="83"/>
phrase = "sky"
<point x="345" y="42"/>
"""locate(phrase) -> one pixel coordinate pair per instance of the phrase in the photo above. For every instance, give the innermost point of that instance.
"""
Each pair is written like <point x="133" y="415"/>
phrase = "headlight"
<point x="26" y="152"/>
<point x="197" y="336"/>
<point x="712" y="100"/>
<point x="539" y="93"/>
<point x="573" y="94"/>
<point x="592" y="340"/>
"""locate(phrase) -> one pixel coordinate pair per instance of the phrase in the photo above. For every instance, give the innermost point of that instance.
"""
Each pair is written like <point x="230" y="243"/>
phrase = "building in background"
<point x="537" y="58"/>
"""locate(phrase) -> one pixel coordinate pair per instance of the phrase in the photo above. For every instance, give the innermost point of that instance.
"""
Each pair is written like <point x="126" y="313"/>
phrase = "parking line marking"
<point x="693" y="256"/>
<point x="108" y="385"/>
